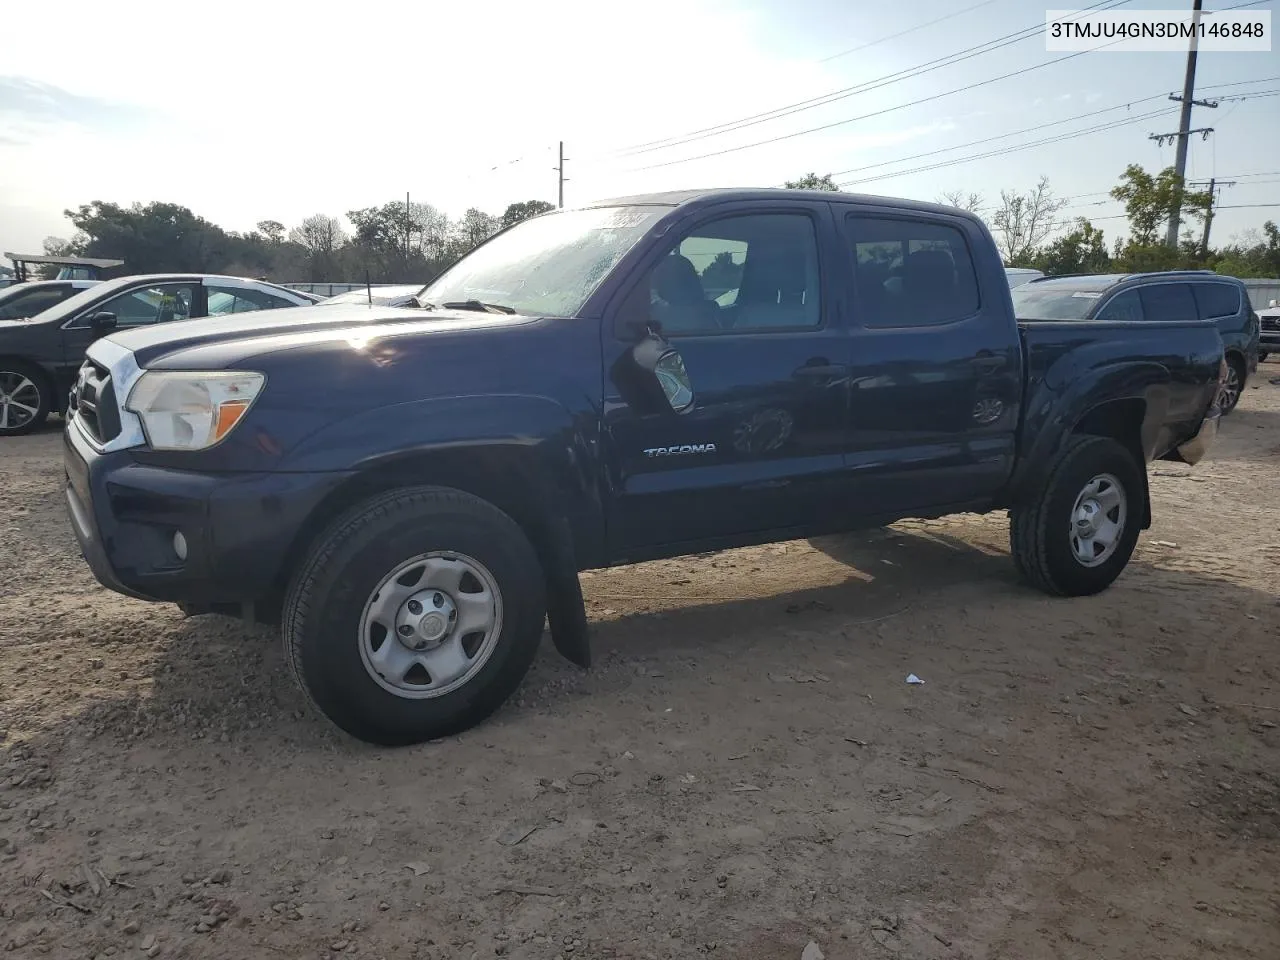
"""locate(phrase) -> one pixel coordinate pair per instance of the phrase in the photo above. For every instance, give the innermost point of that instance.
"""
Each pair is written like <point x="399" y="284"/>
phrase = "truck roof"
<point x="678" y="198"/>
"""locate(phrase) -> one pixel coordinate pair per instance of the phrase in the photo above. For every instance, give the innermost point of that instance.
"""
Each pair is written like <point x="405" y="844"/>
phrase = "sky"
<point x="250" y="111"/>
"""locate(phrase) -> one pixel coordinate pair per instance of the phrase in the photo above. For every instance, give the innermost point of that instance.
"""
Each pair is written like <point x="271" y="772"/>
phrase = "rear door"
<point x="749" y="429"/>
<point x="936" y="362"/>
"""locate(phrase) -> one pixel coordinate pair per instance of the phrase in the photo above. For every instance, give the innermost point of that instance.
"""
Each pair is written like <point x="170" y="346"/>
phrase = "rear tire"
<point x="25" y="398"/>
<point x="357" y="576"/>
<point x="1229" y="395"/>
<point x="1078" y="532"/>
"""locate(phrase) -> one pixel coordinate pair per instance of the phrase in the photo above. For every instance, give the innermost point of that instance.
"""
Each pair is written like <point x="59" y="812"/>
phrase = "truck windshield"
<point x="1034" y="302"/>
<point x="546" y="266"/>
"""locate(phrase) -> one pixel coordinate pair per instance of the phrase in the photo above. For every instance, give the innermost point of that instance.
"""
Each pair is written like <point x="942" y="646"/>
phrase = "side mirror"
<point x="102" y="320"/>
<point x="651" y="377"/>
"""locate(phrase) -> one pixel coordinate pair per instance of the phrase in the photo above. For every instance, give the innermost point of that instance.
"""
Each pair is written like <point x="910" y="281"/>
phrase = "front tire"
<point x="25" y="399"/>
<point x="1078" y="532"/>
<point x="415" y="615"/>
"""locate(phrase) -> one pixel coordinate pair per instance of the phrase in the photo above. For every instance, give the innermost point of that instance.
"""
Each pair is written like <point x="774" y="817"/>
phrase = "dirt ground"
<point x="745" y="771"/>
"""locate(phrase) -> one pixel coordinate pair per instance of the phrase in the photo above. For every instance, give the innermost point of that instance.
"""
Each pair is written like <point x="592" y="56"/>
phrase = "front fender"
<point x="527" y="448"/>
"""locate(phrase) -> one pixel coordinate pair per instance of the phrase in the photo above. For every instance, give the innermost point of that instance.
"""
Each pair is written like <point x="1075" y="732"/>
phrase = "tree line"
<point x="413" y="243"/>
<point x="1023" y="222"/>
<point x="392" y="243"/>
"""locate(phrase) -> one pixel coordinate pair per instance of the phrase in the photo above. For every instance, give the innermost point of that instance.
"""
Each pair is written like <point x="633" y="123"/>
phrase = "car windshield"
<point x="546" y="266"/>
<point x="73" y="305"/>
<point x="1031" y="301"/>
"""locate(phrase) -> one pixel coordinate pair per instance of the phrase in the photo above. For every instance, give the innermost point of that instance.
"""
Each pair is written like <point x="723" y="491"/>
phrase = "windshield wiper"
<point x="479" y="305"/>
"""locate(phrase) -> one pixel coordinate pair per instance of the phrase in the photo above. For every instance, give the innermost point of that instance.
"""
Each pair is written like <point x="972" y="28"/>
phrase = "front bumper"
<point x="239" y="528"/>
<point x="1194" y="450"/>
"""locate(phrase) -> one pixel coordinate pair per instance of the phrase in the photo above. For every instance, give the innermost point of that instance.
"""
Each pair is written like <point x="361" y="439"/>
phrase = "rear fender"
<point x="1127" y="401"/>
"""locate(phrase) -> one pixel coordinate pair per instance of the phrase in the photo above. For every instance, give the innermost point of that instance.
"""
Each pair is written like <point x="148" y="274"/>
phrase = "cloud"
<point x="29" y="107"/>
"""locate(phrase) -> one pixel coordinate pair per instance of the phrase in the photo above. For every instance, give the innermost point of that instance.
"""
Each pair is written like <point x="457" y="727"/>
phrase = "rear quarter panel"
<point x="1075" y="366"/>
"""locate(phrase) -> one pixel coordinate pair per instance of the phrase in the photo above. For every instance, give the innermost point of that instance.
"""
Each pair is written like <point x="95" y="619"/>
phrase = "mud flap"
<point x="566" y="609"/>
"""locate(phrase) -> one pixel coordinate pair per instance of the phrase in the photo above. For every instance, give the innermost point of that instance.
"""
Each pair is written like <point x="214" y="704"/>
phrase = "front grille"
<point x="1271" y="323"/>
<point x="94" y="399"/>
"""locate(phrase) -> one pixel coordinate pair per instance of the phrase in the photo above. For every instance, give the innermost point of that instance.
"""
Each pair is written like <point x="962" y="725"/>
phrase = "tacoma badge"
<point x="680" y="450"/>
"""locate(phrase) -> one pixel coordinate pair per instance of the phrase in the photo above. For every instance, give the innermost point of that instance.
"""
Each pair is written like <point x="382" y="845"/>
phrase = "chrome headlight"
<point x="183" y="410"/>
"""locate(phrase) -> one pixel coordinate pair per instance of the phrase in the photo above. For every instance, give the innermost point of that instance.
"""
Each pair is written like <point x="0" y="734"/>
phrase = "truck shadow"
<point x="217" y="680"/>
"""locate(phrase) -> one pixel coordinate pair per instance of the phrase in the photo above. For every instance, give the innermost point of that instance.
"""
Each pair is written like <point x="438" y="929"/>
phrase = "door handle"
<point x="821" y="370"/>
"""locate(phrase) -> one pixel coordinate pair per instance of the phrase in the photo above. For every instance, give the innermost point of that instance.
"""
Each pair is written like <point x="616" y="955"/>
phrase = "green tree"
<point x="811" y="181"/>
<point x="1254" y="255"/>
<point x="152" y="238"/>
<point x="1147" y="201"/>
<point x="475" y="228"/>
<point x="722" y="273"/>
<point x="272" y="231"/>
<point x="524" y="210"/>
<point x="1081" y="250"/>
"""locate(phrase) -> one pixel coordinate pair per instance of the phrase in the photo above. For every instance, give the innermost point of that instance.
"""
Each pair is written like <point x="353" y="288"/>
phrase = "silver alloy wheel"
<point x="1097" y="520"/>
<point x="431" y="625"/>
<point x="1229" y="394"/>
<point x="19" y="400"/>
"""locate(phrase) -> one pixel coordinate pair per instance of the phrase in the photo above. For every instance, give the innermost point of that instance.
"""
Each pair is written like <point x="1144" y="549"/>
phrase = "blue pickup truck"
<point x="412" y="492"/>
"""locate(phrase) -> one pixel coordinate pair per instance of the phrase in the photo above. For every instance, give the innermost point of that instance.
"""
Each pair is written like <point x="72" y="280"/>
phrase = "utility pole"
<point x="1184" y="126"/>
<point x="560" y="178"/>
<point x="1213" y="186"/>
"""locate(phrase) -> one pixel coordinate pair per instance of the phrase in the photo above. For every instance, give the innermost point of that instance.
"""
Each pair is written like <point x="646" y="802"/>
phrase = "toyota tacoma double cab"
<point x="411" y="492"/>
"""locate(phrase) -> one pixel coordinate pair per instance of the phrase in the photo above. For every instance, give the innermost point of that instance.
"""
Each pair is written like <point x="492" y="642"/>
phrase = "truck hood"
<point x="231" y="338"/>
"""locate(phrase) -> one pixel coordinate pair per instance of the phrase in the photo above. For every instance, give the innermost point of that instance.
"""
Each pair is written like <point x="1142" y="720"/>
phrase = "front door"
<point x="137" y="306"/>
<point x="749" y="431"/>
<point x="936" y="376"/>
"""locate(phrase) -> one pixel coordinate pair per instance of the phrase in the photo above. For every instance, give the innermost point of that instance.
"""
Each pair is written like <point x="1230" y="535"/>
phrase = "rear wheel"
<point x="415" y="616"/>
<point x="1229" y="395"/>
<point x="24" y="398"/>
<point x="1078" y="533"/>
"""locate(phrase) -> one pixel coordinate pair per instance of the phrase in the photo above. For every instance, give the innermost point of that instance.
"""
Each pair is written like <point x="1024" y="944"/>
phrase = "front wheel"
<point x="415" y="616"/>
<point x="1076" y="535"/>
<point x="24" y="398"/>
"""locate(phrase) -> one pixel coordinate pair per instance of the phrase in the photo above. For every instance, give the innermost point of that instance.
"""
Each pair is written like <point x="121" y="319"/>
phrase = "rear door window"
<point x="910" y="273"/>
<point x="224" y="300"/>
<point x="1169" y="301"/>
<point x="1216" y="300"/>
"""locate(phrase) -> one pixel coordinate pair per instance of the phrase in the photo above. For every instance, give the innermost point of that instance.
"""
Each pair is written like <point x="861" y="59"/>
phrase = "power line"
<point x="1019" y="132"/>
<point x="875" y="113"/>
<point x="903" y="33"/>
<point x="988" y="46"/>
<point x="1099" y="128"/>
<point x="1001" y="136"/>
